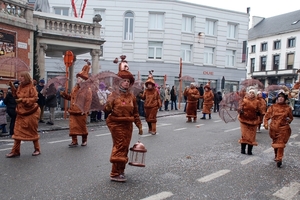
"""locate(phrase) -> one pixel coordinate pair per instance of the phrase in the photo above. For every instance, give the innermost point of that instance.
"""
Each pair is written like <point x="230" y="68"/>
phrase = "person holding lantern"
<point x="78" y="117"/>
<point x="192" y="95"/>
<point x="123" y="112"/>
<point x="280" y="114"/>
<point x="151" y="103"/>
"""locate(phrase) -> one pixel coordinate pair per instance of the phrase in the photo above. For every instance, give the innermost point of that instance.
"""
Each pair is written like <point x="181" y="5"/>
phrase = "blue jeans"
<point x="173" y="102"/>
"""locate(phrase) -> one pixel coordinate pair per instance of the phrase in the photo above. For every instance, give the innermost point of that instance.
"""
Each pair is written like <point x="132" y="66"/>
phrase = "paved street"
<point x="184" y="161"/>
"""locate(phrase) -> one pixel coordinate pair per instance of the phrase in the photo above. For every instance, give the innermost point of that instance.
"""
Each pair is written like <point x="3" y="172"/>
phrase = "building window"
<point x="276" y="62"/>
<point x="128" y="26"/>
<point x="102" y="13"/>
<point x="156" y="21"/>
<point x="231" y="31"/>
<point x="61" y="11"/>
<point x="264" y="46"/>
<point x="277" y="44"/>
<point x="252" y="65"/>
<point x="230" y="58"/>
<point x="253" y="48"/>
<point x="187" y="24"/>
<point x="209" y="55"/>
<point x="186" y="52"/>
<point x="155" y="50"/>
<point x="291" y="42"/>
<point x="290" y="61"/>
<point x="210" y="26"/>
<point x="263" y="63"/>
<point x="101" y="50"/>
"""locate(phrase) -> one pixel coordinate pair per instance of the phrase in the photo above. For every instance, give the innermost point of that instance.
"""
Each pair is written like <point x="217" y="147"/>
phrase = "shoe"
<point x="202" y="118"/>
<point x="42" y="121"/>
<point x="4" y="134"/>
<point x="12" y="155"/>
<point x="84" y="144"/>
<point x="279" y="163"/>
<point x="176" y="109"/>
<point x="258" y="131"/>
<point x="73" y="145"/>
<point x="188" y="121"/>
<point x="152" y="133"/>
<point x="195" y="121"/>
<point x="50" y="123"/>
<point x="119" y="178"/>
<point x="36" y="153"/>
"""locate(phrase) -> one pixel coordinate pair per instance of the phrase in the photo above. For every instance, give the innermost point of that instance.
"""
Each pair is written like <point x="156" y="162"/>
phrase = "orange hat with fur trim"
<point x="150" y="79"/>
<point x="124" y="69"/>
<point x="207" y="85"/>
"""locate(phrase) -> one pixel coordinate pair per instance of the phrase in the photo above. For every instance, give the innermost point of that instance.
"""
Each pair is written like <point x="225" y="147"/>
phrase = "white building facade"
<point x="274" y="49"/>
<point x="155" y="34"/>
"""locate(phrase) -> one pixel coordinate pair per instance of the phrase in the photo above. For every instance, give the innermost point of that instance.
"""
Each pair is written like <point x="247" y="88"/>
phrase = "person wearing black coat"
<point x="200" y="101"/>
<point x="173" y="98"/>
<point x="11" y="104"/>
<point x="42" y="100"/>
<point x="217" y="100"/>
<point x="51" y="102"/>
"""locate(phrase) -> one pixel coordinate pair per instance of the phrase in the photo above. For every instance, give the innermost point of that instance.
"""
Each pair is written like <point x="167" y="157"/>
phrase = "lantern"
<point x="137" y="155"/>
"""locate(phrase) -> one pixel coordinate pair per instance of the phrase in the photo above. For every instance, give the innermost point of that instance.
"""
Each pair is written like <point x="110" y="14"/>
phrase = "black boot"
<point x="250" y="149"/>
<point x="209" y="116"/>
<point x="243" y="148"/>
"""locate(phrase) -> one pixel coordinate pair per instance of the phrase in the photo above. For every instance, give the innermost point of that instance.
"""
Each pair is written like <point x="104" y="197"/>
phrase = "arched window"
<point x="128" y="26"/>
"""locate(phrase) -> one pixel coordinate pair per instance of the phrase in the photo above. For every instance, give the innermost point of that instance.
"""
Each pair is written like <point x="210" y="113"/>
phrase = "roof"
<point x="288" y="22"/>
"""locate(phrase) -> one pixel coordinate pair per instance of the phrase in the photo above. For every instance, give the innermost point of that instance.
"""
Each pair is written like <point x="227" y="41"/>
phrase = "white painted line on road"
<point x="294" y="135"/>
<point x="232" y="129"/>
<point x="218" y="121"/>
<point x="213" y="176"/>
<point x="104" y="134"/>
<point x="269" y="150"/>
<point x="159" y="196"/>
<point x="5" y="149"/>
<point x="179" y="129"/>
<point x="149" y="135"/>
<point x="288" y="193"/>
<point x="248" y="160"/>
<point x="7" y="140"/>
<point x="58" y="141"/>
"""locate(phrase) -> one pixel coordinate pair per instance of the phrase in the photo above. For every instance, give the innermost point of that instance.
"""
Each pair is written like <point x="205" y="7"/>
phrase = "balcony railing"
<point x="10" y="8"/>
<point x="66" y="26"/>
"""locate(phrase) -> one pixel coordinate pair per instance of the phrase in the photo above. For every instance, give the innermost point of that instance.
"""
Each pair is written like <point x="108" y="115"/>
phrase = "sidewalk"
<point x="62" y="124"/>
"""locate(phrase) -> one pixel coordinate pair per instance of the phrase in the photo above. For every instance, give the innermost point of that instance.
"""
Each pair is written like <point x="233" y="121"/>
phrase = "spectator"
<point x="11" y="104"/>
<point x="51" y="102"/>
<point x="162" y="96"/>
<point x="42" y="99"/>
<point x="3" y="120"/>
<point x="173" y="98"/>
<point x="167" y="97"/>
<point x="200" y="101"/>
<point x="217" y="100"/>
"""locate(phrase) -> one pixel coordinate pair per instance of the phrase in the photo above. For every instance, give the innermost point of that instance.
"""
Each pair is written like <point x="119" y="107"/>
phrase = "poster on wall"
<point x="7" y="49"/>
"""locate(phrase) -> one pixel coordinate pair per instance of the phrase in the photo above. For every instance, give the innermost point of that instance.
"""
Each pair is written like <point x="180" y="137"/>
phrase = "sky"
<point x="261" y="8"/>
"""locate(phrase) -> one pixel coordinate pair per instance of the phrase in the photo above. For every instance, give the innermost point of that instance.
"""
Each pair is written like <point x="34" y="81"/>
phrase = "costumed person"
<point x="28" y="114"/>
<point x="208" y="101"/>
<point x="51" y="102"/>
<point x="3" y="120"/>
<point x="193" y="96"/>
<point x="123" y="109"/>
<point x="263" y="105"/>
<point x="11" y="105"/>
<point x="280" y="131"/>
<point x="78" y="117"/>
<point x="249" y="119"/>
<point x="151" y="103"/>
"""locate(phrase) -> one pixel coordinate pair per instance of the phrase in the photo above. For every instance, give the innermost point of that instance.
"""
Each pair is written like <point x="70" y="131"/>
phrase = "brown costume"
<point x="192" y="95"/>
<point x="151" y="104"/>
<point x="208" y="101"/>
<point x="281" y="116"/>
<point x="123" y="111"/>
<point x="249" y="119"/>
<point x="28" y="113"/>
<point x="77" y="116"/>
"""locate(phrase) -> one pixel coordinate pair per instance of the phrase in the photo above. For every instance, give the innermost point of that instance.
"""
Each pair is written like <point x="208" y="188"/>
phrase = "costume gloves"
<point x="140" y="130"/>
<point x="266" y="126"/>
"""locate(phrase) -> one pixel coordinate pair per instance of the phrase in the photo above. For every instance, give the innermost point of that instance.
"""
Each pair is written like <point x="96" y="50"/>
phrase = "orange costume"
<point x="281" y="116"/>
<point x="151" y="104"/>
<point x="123" y="111"/>
<point x="208" y="101"/>
<point x="28" y="113"/>
<point x="77" y="116"/>
<point x="249" y="119"/>
<point x="192" y="95"/>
